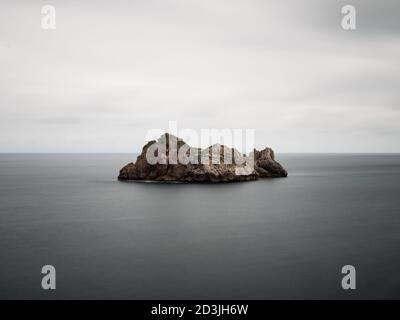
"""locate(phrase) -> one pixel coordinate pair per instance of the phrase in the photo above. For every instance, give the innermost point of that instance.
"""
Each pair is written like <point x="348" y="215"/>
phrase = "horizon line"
<point x="130" y="153"/>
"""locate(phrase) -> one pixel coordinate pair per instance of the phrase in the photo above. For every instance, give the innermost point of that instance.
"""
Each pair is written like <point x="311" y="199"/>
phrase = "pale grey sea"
<point x="269" y="239"/>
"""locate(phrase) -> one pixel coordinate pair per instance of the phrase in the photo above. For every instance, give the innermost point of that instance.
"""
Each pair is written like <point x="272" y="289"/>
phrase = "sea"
<point x="283" y="238"/>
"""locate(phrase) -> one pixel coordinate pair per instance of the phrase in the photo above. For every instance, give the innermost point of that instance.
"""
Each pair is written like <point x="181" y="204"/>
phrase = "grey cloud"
<point x="113" y="70"/>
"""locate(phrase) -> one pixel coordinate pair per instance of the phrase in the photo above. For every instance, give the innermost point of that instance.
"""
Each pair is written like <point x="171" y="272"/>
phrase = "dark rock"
<point x="216" y="163"/>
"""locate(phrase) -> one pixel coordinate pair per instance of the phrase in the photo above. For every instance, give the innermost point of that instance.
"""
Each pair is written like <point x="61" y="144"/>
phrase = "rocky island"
<point x="170" y="159"/>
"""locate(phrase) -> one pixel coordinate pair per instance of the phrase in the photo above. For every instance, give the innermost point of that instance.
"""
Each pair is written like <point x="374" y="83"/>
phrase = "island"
<point x="171" y="160"/>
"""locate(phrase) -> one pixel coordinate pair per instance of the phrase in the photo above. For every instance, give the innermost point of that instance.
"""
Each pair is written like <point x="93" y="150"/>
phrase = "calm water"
<point x="282" y="238"/>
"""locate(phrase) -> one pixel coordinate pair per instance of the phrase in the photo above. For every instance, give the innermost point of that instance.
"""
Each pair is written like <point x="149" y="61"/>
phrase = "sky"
<point x="113" y="70"/>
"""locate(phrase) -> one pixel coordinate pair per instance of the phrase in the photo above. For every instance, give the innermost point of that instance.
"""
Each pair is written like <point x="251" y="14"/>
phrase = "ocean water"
<point x="269" y="239"/>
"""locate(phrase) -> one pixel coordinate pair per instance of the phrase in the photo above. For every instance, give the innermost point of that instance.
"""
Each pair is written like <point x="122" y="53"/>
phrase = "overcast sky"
<point x="112" y="70"/>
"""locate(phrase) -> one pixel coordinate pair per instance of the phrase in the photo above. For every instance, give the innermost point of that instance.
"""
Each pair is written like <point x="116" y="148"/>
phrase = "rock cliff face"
<point x="170" y="159"/>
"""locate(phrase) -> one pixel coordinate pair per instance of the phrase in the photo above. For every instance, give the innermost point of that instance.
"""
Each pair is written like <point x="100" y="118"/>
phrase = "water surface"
<point x="269" y="239"/>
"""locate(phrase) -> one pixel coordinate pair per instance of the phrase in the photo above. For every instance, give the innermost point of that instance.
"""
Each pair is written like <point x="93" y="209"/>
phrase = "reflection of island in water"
<point x="172" y="160"/>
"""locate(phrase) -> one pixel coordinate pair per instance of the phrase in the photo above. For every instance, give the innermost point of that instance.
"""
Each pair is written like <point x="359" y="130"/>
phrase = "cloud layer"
<point x="113" y="70"/>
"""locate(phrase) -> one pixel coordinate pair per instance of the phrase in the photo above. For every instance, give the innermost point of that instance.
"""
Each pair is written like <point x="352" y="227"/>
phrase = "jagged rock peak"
<point x="164" y="160"/>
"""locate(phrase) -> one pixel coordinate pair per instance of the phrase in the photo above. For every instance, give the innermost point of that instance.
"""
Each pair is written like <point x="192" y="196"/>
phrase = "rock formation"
<point x="170" y="159"/>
